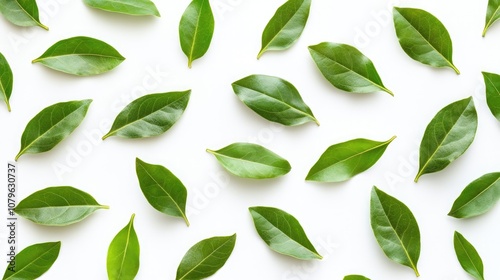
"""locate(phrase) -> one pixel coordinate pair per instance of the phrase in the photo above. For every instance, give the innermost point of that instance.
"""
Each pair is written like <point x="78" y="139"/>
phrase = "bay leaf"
<point x="123" y="254"/>
<point x="468" y="256"/>
<point x="492" y="83"/>
<point x="355" y="277"/>
<point x="33" y="261"/>
<point x="127" y="7"/>
<point x="492" y="14"/>
<point x="21" y="12"/>
<point x="6" y="80"/>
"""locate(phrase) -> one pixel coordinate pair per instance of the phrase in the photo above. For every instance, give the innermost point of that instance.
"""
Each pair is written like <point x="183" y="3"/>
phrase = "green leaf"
<point x="492" y="14"/>
<point x="123" y="254"/>
<point x="342" y="161"/>
<point x="346" y="68"/>
<point x="6" y="81"/>
<point x="33" y="261"/>
<point x="253" y="161"/>
<point x="478" y="197"/>
<point x="395" y="229"/>
<point x="492" y="82"/>
<point x="150" y="115"/>
<point x="196" y="29"/>
<point x="355" y="277"/>
<point x="468" y="257"/>
<point x="162" y="189"/>
<point x="286" y="26"/>
<point x="205" y="258"/>
<point x="128" y="7"/>
<point x="58" y="206"/>
<point x="283" y="233"/>
<point x="52" y="125"/>
<point x="81" y="56"/>
<point x="21" y="12"/>
<point x="423" y="37"/>
<point x="448" y="136"/>
<point x="274" y="99"/>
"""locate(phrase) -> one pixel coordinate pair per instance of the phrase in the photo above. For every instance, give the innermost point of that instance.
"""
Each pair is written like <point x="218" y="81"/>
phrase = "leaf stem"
<point x="455" y="68"/>
<point x="8" y="105"/>
<point x="261" y="53"/>
<point x="43" y="26"/>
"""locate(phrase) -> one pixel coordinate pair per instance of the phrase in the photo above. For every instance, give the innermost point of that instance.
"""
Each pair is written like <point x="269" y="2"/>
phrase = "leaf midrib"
<point x="126" y="4"/>
<point x="476" y="196"/>
<point x="77" y="54"/>
<point x="125" y="251"/>
<point x="33" y="261"/>
<point x="490" y="22"/>
<point x="195" y="36"/>
<point x="244" y="160"/>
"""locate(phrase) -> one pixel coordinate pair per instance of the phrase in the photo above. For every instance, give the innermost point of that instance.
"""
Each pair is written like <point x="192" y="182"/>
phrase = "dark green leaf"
<point x="286" y="26"/>
<point x="150" y="115"/>
<point x="52" y="125"/>
<point x="423" y="37"/>
<point x="128" y="7"/>
<point x="283" y="233"/>
<point x="196" y="29"/>
<point x="162" y="189"/>
<point x="395" y="229"/>
<point x="448" y="136"/>
<point x="205" y="258"/>
<point x="33" y="261"/>
<point x="347" y="68"/>
<point x="478" y="197"/>
<point x="251" y="161"/>
<point x="6" y="80"/>
<point x="492" y="14"/>
<point x="355" y="277"/>
<point x="274" y="99"/>
<point x="123" y="254"/>
<point x="58" y="206"/>
<point x="21" y="12"/>
<point x="342" y="161"/>
<point x="81" y="56"/>
<point x="492" y="82"/>
<point x="468" y="257"/>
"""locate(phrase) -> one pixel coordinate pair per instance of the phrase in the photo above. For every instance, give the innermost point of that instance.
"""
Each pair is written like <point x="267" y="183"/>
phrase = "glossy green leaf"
<point x="395" y="229"/>
<point x="248" y="160"/>
<point x="123" y="254"/>
<point x="283" y="233"/>
<point x="286" y="26"/>
<point x="423" y="37"/>
<point x="128" y="7"/>
<point x="274" y="99"/>
<point x="468" y="257"/>
<point x="21" y="12"/>
<point x="492" y="82"/>
<point x="346" y="68"/>
<point x="196" y="29"/>
<point x="81" y="56"/>
<point x="492" y="14"/>
<point x="355" y="277"/>
<point x="163" y="190"/>
<point x="205" y="258"/>
<point x="6" y="81"/>
<point x="52" y="125"/>
<point x="448" y="136"/>
<point x="342" y="161"/>
<point x="58" y="206"/>
<point x="150" y="115"/>
<point x="478" y="197"/>
<point x="33" y="261"/>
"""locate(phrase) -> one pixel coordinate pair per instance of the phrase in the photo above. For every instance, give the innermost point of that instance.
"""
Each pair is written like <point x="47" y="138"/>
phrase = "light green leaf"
<point x="21" y="12"/>
<point x="123" y="254"/>
<point x="33" y="261"/>
<point x="127" y="7"/>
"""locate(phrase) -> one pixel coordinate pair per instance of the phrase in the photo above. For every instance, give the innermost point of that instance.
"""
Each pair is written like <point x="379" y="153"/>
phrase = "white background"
<point x="335" y="216"/>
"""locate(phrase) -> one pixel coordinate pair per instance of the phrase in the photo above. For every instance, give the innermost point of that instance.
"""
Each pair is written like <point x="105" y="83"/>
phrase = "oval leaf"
<point x="274" y="99"/>
<point x="123" y="254"/>
<point x="423" y="37"/>
<point x="283" y="233"/>
<point x="196" y="29"/>
<point x="342" y="161"/>
<point x="492" y="82"/>
<point x="150" y="115"/>
<point x="448" y="136"/>
<point x="81" y="56"/>
<point x="395" y="229"/>
<point x="286" y="26"/>
<point x="21" y="12"/>
<point x="6" y="80"/>
<point x="478" y="197"/>
<point x="251" y="161"/>
<point x="52" y="125"/>
<point x="128" y="7"/>
<point x="33" y="261"/>
<point x="468" y="257"/>
<point x="355" y="277"/>
<point x="205" y="258"/>
<point x="346" y="68"/>
<point x="58" y="206"/>
<point x="492" y="14"/>
<point x="162" y="189"/>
